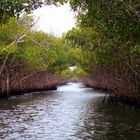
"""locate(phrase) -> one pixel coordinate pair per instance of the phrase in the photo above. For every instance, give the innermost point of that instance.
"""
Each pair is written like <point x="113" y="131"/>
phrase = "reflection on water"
<point x="73" y="112"/>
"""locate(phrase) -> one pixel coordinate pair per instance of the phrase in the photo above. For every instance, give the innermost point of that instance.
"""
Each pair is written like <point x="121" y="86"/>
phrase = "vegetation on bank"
<point x="109" y="33"/>
<point x="28" y="57"/>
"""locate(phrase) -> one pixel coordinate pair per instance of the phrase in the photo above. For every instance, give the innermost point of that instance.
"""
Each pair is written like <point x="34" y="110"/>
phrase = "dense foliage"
<point x="109" y="32"/>
<point x="28" y="54"/>
<point x="36" y="50"/>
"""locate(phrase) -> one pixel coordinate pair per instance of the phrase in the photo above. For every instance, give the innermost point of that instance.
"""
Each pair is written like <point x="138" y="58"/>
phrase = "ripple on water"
<point x="72" y="112"/>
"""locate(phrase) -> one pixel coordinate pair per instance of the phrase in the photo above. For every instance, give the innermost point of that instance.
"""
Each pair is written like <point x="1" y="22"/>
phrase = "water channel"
<point x="73" y="112"/>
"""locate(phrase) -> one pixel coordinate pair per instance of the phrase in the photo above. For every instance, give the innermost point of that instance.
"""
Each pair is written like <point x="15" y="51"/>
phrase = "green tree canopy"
<point x="14" y="8"/>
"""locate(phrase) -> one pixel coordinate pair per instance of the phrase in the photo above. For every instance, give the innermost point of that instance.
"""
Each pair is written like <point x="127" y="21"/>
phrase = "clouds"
<point x="54" y="20"/>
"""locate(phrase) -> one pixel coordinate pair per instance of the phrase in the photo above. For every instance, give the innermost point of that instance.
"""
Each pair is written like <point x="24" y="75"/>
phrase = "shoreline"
<point x="38" y="81"/>
<point x="115" y="97"/>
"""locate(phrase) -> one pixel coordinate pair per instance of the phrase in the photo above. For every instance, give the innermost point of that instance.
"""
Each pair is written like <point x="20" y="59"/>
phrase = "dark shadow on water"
<point x="110" y="122"/>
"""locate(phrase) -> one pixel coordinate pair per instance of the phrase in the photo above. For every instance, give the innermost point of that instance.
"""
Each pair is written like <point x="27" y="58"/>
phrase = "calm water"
<point x="73" y="112"/>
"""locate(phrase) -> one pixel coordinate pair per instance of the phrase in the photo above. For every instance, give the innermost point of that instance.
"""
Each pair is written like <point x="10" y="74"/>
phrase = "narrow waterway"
<point x="73" y="112"/>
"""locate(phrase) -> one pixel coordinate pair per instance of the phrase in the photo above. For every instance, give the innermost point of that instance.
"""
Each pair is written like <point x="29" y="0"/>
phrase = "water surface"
<point x="73" y="112"/>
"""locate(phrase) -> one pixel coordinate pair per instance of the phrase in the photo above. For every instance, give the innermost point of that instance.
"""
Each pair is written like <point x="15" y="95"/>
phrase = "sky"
<point x="54" y="20"/>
